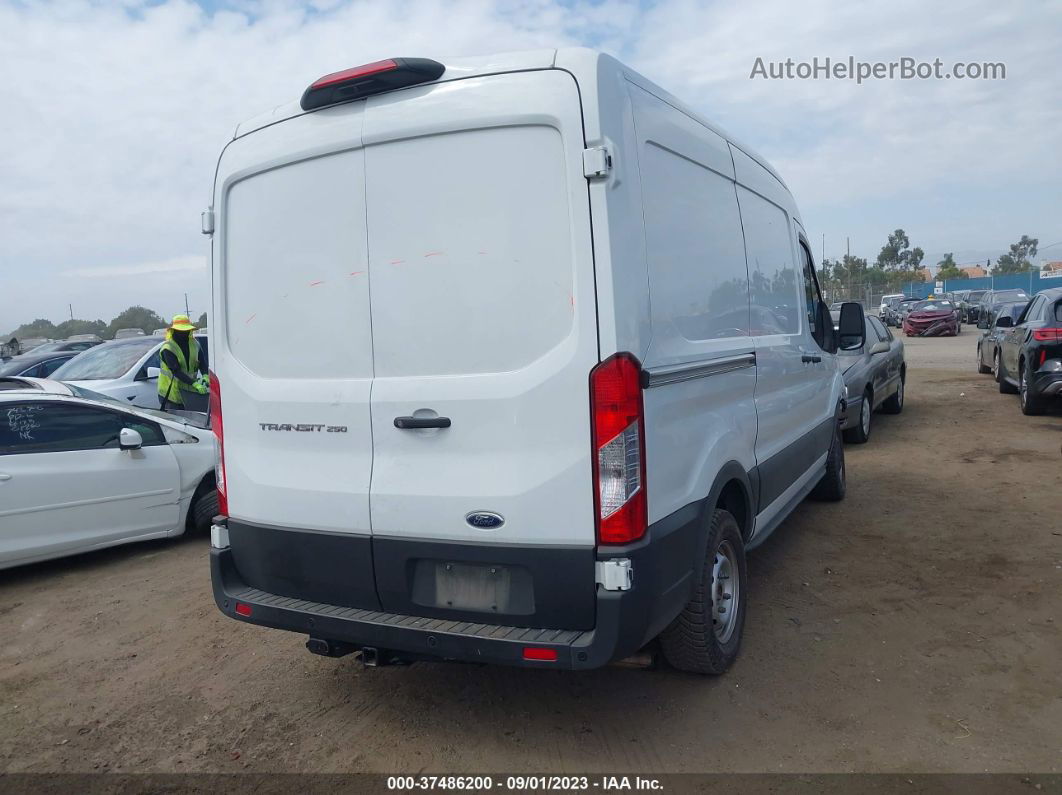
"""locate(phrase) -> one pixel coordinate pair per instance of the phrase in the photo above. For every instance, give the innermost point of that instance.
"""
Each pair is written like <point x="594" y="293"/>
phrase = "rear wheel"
<point x="706" y="636"/>
<point x="1030" y="404"/>
<point x="861" y="432"/>
<point x="833" y="485"/>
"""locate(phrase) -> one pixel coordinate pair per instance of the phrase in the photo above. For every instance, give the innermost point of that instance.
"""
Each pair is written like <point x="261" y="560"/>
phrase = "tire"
<point x="832" y="486"/>
<point x="861" y="432"/>
<point x="204" y="509"/>
<point x="894" y="403"/>
<point x="980" y="366"/>
<point x="1031" y="405"/>
<point x="1005" y="387"/>
<point x="702" y="640"/>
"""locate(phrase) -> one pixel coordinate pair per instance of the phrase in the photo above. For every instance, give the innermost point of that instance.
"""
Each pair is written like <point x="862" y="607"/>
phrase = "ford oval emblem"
<point x="485" y="520"/>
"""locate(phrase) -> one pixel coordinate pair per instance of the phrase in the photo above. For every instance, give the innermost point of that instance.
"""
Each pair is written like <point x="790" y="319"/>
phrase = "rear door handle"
<point x="810" y="358"/>
<point x="4" y="476"/>
<point x="422" y="422"/>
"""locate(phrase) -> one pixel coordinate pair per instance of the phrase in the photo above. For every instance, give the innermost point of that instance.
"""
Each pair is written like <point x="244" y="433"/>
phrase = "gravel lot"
<point x="914" y="627"/>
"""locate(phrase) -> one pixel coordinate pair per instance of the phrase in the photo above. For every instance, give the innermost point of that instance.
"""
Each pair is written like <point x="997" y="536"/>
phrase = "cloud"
<point x="116" y="113"/>
<point x="174" y="266"/>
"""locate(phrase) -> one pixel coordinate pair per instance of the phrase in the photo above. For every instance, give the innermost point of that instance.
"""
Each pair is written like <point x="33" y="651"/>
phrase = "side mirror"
<point x="153" y="372"/>
<point x="879" y="347"/>
<point x="128" y="439"/>
<point x="1005" y="321"/>
<point x="851" y="328"/>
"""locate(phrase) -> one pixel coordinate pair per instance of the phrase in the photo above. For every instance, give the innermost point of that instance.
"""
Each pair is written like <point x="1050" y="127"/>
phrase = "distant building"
<point x="1051" y="267"/>
<point x="973" y="271"/>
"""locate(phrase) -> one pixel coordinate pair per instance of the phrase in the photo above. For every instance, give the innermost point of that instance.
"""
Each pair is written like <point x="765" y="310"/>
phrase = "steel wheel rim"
<point x="899" y="394"/>
<point x="1024" y="385"/>
<point x="995" y="365"/>
<point x="726" y="592"/>
<point x="864" y="415"/>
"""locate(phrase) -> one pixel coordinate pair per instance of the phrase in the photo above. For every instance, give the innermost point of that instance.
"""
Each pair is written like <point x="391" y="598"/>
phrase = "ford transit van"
<point x="514" y="358"/>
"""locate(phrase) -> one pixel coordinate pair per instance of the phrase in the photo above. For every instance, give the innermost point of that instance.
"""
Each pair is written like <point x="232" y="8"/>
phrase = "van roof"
<point x="586" y="64"/>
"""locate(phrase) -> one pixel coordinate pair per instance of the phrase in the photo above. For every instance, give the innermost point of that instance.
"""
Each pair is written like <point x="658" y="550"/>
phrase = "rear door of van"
<point x="293" y="356"/>
<point x="483" y="321"/>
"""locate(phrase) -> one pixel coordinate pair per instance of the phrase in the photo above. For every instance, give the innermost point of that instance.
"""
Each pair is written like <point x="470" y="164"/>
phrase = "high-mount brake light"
<point x="371" y="78"/>
<point x="618" y="429"/>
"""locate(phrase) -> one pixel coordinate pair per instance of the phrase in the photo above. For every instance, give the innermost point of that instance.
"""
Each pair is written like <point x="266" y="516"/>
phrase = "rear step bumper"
<point x="432" y="637"/>
<point x="624" y="620"/>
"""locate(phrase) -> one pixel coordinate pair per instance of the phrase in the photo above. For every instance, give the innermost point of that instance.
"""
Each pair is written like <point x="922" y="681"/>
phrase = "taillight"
<point x="1047" y="334"/>
<point x="368" y="79"/>
<point x="219" y="433"/>
<point x="618" y="430"/>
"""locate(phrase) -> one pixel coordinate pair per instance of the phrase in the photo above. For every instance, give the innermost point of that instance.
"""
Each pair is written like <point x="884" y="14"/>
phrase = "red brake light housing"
<point x="371" y="78"/>
<point x="540" y="654"/>
<point x="1047" y="334"/>
<point x="219" y="433"/>
<point x="617" y="418"/>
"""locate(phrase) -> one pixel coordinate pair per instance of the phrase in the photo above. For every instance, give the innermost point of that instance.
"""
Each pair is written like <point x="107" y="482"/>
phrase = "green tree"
<point x="1019" y="259"/>
<point x="202" y="322"/>
<point x="38" y="328"/>
<point x="899" y="261"/>
<point x="135" y="317"/>
<point x="947" y="269"/>
<point x="68" y="328"/>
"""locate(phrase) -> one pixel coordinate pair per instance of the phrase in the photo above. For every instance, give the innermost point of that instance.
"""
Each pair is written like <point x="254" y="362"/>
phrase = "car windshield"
<point x="48" y="347"/>
<point x="934" y="306"/>
<point x="110" y="360"/>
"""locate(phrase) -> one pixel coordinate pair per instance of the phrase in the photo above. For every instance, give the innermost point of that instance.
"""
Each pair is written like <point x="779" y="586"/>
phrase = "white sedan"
<point x="81" y="471"/>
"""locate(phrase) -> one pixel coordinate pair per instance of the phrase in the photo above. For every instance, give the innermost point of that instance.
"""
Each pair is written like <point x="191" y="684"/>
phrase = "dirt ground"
<point x="914" y="627"/>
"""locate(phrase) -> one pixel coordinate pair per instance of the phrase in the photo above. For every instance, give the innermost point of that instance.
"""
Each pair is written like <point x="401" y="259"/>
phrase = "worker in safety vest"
<point x="182" y="365"/>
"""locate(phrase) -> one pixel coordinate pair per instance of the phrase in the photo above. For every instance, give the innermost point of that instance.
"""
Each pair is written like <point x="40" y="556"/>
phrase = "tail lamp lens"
<point x="618" y="429"/>
<point x="1047" y="334"/>
<point x="219" y="433"/>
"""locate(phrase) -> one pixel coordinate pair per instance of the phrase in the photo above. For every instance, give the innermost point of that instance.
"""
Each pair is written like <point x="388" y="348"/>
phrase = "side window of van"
<point x="812" y="298"/>
<point x="774" y="292"/>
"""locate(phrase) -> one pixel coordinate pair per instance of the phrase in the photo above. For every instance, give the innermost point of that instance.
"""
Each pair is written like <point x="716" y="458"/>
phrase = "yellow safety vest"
<point x="170" y="387"/>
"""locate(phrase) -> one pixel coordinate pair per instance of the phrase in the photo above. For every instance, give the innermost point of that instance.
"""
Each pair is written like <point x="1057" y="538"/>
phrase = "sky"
<point x="115" y="113"/>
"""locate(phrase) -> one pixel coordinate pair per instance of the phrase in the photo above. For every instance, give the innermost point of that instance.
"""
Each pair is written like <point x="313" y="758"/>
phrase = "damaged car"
<point x="932" y="318"/>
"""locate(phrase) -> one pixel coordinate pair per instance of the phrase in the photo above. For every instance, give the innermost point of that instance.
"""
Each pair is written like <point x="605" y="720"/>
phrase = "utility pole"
<point x="71" y="307"/>
<point x="186" y="304"/>
<point x="848" y="263"/>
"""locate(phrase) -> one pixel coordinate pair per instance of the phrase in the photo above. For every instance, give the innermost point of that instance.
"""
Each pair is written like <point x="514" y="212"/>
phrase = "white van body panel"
<point x="292" y="333"/>
<point x="482" y="309"/>
<point x="698" y="293"/>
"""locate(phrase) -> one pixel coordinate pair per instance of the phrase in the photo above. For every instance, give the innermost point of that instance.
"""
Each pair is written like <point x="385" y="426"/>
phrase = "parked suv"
<point x="1030" y="353"/>
<point x="583" y="394"/>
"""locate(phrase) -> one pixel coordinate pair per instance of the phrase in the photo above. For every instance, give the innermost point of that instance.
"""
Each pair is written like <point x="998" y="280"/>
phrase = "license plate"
<point x="462" y="586"/>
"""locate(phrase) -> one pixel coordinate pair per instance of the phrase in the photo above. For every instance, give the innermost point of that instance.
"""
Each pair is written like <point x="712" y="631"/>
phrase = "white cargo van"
<point x="514" y="357"/>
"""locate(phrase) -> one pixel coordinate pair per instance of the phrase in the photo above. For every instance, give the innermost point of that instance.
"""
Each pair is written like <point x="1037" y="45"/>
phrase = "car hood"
<point x="929" y="314"/>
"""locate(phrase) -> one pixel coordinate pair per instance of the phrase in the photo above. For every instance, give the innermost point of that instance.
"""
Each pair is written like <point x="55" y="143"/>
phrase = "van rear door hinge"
<point x="614" y="575"/>
<point x="597" y="162"/>
<point x="208" y="221"/>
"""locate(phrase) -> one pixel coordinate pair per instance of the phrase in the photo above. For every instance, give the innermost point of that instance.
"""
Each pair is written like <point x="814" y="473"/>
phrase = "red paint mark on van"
<point x="434" y="253"/>
<point x="252" y="317"/>
<point x="397" y="261"/>
<point x="356" y="273"/>
<point x="481" y="252"/>
<point x="314" y="284"/>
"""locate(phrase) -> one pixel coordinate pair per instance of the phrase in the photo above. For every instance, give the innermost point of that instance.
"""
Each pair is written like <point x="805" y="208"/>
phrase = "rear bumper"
<point x="1046" y="384"/>
<point x="623" y="621"/>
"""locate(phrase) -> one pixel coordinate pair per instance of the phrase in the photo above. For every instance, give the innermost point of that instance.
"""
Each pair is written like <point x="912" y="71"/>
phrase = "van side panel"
<point x="697" y="419"/>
